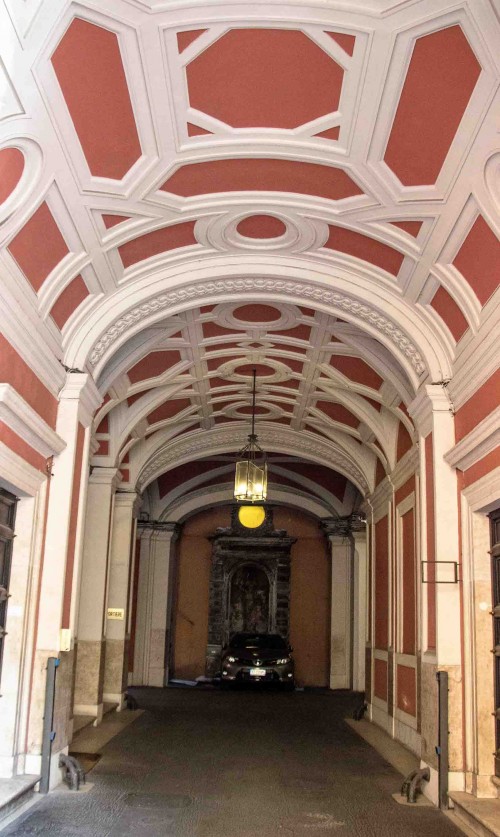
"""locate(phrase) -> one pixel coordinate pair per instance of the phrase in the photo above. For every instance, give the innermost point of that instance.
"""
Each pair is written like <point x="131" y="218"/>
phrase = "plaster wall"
<point x="309" y="595"/>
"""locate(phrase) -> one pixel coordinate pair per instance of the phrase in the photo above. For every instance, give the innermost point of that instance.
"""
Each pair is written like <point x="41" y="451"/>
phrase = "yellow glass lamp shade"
<point x="251" y="517"/>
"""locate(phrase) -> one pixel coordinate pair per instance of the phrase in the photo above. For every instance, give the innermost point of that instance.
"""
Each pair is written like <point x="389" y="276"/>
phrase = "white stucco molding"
<point x="203" y="443"/>
<point x="105" y="476"/>
<point x="17" y="475"/>
<point x="484" y="494"/>
<point x="483" y="439"/>
<point x="432" y="398"/>
<point x="17" y="414"/>
<point x="168" y="290"/>
<point x="405" y="468"/>
<point x="211" y="496"/>
<point x="80" y="386"/>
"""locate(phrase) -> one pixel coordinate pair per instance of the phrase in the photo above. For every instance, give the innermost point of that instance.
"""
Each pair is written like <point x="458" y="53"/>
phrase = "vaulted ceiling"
<point x="189" y="191"/>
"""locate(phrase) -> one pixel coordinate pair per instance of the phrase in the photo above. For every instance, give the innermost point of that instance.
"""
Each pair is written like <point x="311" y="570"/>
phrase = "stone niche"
<point x="249" y="582"/>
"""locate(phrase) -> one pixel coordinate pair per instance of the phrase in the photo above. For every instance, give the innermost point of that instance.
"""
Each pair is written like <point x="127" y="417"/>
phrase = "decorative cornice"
<point x="27" y="423"/>
<point x="483" y="439"/>
<point x="201" y="443"/>
<point x="431" y="398"/>
<point x="287" y="289"/>
<point x="343" y="527"/>
<point x="19" y="475"/>
<point x="105" y="476"/>
<point x="80" y="386"/>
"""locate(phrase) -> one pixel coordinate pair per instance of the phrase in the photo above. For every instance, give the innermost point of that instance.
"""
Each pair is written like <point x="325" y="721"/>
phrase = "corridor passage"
<point x="205" y="763"/>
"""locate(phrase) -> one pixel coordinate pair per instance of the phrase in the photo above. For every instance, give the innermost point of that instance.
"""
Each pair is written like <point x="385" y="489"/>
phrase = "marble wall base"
<point x="89" y="677"/>
<point x="115" y="671"/>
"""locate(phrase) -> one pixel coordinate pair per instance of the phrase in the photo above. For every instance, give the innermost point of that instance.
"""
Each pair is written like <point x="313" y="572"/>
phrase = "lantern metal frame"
<point x="250" y="479"/>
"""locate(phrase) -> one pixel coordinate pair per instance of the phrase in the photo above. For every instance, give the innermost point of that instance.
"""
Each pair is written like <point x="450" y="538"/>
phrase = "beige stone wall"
<point x="89" y="672"/>
<point x="191" y="605"/>
<point x="63" y="705"/>
<point x="309" y="597"/>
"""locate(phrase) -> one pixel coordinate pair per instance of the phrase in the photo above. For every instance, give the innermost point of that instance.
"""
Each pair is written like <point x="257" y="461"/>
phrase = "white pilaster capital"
<point x="167" y="531"/>
<point x="360" y="536"/>
<point x="105" y="476"/>
<point x="80" y="387"/>
<point x="128" y="500"/>
<point x="431" y="399"/>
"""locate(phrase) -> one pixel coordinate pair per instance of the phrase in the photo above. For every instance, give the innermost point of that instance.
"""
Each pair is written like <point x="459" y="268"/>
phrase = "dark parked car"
<point x="257" y="658"/>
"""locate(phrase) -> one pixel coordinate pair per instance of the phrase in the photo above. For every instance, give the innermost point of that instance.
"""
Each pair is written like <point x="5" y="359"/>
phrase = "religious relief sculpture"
<point x="249" y="600"/>
<point x="249" y="583"/>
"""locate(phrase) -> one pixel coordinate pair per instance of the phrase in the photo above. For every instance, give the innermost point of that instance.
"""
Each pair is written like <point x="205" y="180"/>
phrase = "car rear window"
<point x="257" y="641"/>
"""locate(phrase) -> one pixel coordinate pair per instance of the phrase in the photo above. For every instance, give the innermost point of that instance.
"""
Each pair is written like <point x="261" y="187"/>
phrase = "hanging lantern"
<point x="250" y="481"/>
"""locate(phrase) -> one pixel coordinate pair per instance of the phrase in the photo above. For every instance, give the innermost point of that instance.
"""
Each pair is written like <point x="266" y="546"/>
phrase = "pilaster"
<point x="154" y="594"/>
<point x="79" y="398"/>
<point x="117" y="619"/>
<point x="338" y="531"/>
<point x="91" y="642"/>
<point x="360" y="610"/>
<point x="433" y="414"/>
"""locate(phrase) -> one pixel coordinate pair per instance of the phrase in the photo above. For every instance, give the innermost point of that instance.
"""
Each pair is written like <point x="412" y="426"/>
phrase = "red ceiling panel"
<point x="177" y="476"/>
<point x="345" y="41"/>
<point x="411" y="227"/>
<point x="196" y="131"/>
<point x="89" y="68"/>
<point x="330" y="480"/>
<point x="478" y="260"/>
<point x="39" y="246"/>
<point x="153" y="365"/>
<point x="442" y="74"/>
<point x="363" y="247"/>
<point x="338" y="412"/>
<point x="11" y="169"/>
<point x="168" y="410"/>
<point x="261" y="226"/>
<point x="301" y="332"/>
<point x="274" y="78"/>
<point x="449" y="311"/>
<point x="252" y="174"/>
<point x="113" y="220"/>
<point x="357" y="370"/>
<point x="184" y="39"/>
<point x="330" y="133"/>
<point x="375" y="404"/>
<point x="255" y="313"/>
<point x="159" y="241"/>
<point x="104" y="425"/>
<point x="211" y="329"/>
<point x="69" y="300"/>
<point x="404" y="441"/>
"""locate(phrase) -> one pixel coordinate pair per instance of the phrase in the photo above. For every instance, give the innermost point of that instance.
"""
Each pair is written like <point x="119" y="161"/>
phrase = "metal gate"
<point x="7" y="517"/>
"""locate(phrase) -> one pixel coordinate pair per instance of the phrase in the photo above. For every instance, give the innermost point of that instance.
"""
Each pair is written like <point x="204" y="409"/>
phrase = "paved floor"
<point x="205" y="763"/>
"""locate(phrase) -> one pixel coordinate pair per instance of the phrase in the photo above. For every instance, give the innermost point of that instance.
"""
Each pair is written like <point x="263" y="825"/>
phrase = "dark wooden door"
<point x="7" y="518"/>
<point x="495" y="573"/>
